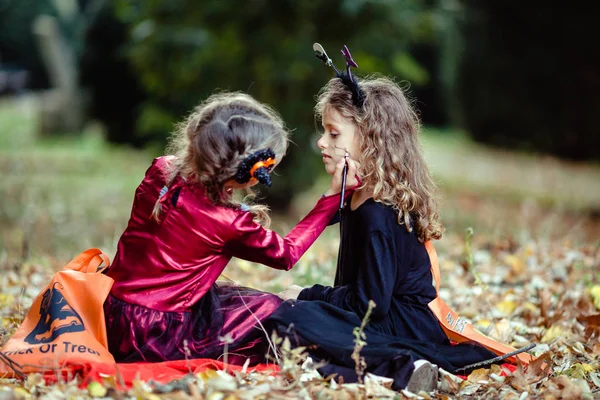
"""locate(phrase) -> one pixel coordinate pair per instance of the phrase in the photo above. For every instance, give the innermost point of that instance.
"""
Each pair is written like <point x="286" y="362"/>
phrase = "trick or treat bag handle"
<point x="65" y="324"/>
<point x="457" y="328"/>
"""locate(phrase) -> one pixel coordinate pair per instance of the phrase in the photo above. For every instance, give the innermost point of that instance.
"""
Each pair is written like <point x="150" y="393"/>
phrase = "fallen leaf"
<point x="531" y="307"/>
<point x="375" y="386"/>
<point x="207" y="374"/>
<point x="6" y="299"/>
<point x="595" y="378"/>
<point x="478" y="375"/>
<point x="502" y="331"/>
<point x="517" y="266"/>
<point x="580" y="370"/>
<point x="592" y="324"/>
<point x="497" y="378"/>
<point x="449" y="383"/>
<point x="21" y="393"/>
<point x="483" y="324"/>
<point x="96" y="389"/>
<point x="545" y="304"/>
<point x="596" y="350"/>
<point x="595" y="293"/>
<point x="506" y="307"/>
<point x="564" y="388"/>
<point x="469" y="388"/>
<point x="540" y="367"/>
<point x="554" y="333"/>
<point x="35" y="379"/>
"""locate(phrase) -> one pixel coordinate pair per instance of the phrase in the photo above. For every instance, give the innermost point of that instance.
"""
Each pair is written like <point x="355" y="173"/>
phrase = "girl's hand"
<point x="336" y="180"/>
<point x="291" y="292"/>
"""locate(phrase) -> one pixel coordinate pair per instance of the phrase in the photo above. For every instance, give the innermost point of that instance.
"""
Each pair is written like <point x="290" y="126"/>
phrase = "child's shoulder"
<point x="158" y="169"/>
<point x="373" y="213"/>
<point x="372" y="207"/>
<point x="376" y="216"/>
<point x="162" y="162"/>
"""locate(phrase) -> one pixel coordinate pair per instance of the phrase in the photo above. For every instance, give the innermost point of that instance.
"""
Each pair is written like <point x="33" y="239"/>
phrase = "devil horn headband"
<point x="358" y="97"/>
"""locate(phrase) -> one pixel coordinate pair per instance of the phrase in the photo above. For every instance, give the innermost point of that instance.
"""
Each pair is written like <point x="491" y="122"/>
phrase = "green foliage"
<point x="525" y="76"/>
<point x="17" y="42"/>
<point x="182" y="51"/>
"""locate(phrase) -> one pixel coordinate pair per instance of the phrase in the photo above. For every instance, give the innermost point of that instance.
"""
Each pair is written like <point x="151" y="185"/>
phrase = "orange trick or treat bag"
<point x="65" y="324"/>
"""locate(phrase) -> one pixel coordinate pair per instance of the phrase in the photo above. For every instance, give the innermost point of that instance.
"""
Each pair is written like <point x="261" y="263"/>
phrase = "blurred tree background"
<point x="515" y="75"/>
<point x="527" y="75"/>
<point x="182" y="52"/>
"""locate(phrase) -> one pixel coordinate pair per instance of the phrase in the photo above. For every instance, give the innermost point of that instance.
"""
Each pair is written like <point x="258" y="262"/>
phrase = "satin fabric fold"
<point x="224" y="320"/>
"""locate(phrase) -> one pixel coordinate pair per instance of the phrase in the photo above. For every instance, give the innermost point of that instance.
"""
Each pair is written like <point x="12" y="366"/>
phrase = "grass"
<point x="460" y="163"/>
<point x="61" y="195"/>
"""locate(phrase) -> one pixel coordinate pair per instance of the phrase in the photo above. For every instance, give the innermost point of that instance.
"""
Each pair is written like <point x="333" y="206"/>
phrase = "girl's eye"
<point x="334" y="134"/>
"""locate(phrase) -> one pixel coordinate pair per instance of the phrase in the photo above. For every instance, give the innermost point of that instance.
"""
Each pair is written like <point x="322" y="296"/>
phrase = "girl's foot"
<point x="424" y="377"/>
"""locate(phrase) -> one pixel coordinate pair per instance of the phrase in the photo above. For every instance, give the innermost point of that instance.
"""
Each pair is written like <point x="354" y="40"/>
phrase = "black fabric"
<point x="327" y="333"/>
<point x="379" y="260"/>
<point x="175" y="196"/>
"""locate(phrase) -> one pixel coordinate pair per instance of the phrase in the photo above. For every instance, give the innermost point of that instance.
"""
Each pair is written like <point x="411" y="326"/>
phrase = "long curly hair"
<point x="392" y="164"/>
<point x="209" y="145"/>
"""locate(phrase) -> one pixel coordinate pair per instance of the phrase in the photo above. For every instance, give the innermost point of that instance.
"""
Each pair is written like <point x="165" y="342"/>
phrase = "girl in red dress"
<point x="186" y="225"/>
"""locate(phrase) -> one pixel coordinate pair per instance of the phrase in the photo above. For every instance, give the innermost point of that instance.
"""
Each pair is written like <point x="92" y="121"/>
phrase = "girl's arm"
<point x="252" y="242"/>
<point x="376" y="278"/>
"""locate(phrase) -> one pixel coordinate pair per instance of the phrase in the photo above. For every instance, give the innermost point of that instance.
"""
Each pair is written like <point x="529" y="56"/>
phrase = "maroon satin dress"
<point x="165" y="305"/>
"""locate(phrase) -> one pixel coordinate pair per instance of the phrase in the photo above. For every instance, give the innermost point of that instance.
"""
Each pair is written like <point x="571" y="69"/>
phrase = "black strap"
<point x="495" y="359"/>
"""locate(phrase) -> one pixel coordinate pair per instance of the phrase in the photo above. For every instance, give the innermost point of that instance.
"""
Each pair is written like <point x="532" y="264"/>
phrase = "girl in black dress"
<point x="383" y="256"/>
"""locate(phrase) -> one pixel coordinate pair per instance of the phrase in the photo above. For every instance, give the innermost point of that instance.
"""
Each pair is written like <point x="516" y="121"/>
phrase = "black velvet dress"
<point x="379" y="260"/>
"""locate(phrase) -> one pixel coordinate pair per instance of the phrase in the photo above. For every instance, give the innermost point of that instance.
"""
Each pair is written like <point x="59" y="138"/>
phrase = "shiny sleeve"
<point x="250" y="241"/>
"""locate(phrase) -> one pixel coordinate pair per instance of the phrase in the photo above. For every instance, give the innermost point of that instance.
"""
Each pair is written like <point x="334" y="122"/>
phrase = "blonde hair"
<point x="209" y="145"/>
<point x="391" y="161"/>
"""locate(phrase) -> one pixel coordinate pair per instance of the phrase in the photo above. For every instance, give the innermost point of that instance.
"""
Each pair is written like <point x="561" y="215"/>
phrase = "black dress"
<point x="379" y="260"/>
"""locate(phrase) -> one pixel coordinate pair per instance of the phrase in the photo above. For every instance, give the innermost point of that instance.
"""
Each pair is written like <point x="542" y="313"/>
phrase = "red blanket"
<point x="164" y="372"/>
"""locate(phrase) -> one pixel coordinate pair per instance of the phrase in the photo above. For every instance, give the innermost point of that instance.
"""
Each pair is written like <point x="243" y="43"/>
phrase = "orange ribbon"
<point x="459" y="329"/>
<point x="268" y="163"/>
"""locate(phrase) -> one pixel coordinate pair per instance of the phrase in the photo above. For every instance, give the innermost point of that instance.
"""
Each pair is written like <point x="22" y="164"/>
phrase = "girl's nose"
<point x="321" y="143"/>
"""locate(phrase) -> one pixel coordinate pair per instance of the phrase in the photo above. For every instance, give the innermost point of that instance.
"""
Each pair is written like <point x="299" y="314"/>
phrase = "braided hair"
<point x="214" y="143"/>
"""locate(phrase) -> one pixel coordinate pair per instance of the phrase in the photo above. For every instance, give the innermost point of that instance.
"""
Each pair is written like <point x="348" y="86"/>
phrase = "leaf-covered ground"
<point x="519" y="292"/>
<point x="530" y="273"/>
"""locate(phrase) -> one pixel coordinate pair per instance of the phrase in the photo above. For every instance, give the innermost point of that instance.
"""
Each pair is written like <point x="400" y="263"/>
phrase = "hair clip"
<point x="257" y="166"/>
<point x="358" y="97"/>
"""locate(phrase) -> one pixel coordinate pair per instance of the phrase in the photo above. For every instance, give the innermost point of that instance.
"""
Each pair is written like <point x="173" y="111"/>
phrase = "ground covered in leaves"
<point x="517" y="292"/>
<point x="528" y="272"/>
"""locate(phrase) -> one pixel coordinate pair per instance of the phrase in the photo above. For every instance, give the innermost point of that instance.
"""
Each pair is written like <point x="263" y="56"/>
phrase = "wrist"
<point x="331" y="192"/>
